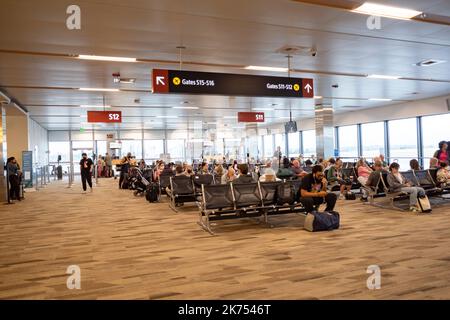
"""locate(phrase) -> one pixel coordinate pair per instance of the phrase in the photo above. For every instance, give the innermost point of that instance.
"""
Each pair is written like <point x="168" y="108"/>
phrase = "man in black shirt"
<point x="313" y="191"/>
<point x="86" y="171"/>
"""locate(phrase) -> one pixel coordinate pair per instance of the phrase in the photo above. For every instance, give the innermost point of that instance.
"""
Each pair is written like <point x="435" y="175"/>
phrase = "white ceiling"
<point x="220" y="36"/>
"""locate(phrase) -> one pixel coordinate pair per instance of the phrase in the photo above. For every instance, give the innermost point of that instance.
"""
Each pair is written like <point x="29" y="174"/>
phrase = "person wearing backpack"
<point x="313" y="191"/>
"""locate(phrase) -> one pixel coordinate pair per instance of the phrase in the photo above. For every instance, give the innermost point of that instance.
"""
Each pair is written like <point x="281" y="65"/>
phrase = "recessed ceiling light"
<point x="193" y="108"/>
<point x="167" y="117"/>
<point x="91" y="106"/>
<point x="379" y="99"/>
<point x="105" y="58"/>
<point x="317" y="97"/>
<point x="99" y="89"/>
<point x="375" y="9"/>
<point x="229" y="117"/>
<point x="262" y="109"/>
<point x="381" y="76"/>
<point x="262" y="68"/>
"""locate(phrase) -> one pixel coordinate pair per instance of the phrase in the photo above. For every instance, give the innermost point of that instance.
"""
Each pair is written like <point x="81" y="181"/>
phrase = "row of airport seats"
<point x="232" y="201"/>
<point x="419" y="178"/>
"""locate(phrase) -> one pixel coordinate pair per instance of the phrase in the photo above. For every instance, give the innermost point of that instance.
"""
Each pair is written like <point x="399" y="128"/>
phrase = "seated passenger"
<point x="204" y="168"/>
<point x="335" y="177"/>
<point x="269" y="176"/>
<point x="308" y="163"/>
<point x="414" y="164"/>
<point x="331" y="162"/>
<point x="218" y="170"/>
<point x="313" y="191"/>
<point x="383" y="162"/>
<point x="364" y="172"/>
<point x="443" y="175"/>
<point x="434" y="163"/>
<point x="188" y="171"/>
<point x="229" y="176"/>
<point x="243" y="176"/>
<point x="398" y="183"/>
<point x="297" y="169"/>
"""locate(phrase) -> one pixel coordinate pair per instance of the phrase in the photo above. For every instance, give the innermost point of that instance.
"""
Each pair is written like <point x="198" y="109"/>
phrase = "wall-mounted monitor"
<point x="290" y="126"/>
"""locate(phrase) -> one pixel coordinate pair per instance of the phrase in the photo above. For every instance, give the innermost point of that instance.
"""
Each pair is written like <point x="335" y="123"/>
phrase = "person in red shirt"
<point x="443" y="154"/>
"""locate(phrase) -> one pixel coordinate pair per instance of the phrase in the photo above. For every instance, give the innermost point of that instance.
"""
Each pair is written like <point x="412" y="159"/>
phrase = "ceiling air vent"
<point x="429" y="62"/>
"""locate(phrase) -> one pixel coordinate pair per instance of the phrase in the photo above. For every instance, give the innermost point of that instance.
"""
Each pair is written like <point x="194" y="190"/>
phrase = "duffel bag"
<point x="322" y="221"/>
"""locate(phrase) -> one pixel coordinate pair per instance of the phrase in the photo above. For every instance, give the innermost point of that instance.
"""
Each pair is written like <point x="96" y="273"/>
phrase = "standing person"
<point x="313" y="191"/>
<point x="86" y="171"/>
<point x="124" y="167"/>
<point x="108" y="165"/>
<point x="99" y="166"/>
<point x="443" y="154"/>
<point x="14" y="178"/>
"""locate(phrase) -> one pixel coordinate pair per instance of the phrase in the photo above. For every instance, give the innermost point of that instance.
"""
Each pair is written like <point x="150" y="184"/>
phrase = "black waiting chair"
<point x="202" y="179"/>
<point x="181" y="190"/>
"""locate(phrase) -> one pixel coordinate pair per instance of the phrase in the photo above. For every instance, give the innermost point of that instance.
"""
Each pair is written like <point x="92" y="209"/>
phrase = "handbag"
<point x="424" y="204"/>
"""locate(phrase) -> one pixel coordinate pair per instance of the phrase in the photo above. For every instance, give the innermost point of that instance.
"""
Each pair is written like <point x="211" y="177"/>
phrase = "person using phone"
<point x="313" y="191"/>
<point x="86" y="165"/>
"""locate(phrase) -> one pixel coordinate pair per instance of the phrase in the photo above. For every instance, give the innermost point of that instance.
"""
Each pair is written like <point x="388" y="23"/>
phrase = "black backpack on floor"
<point x="152" y="192"/>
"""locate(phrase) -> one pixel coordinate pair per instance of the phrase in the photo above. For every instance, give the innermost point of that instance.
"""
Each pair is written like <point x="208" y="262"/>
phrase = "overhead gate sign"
<point x="192" y="82"/>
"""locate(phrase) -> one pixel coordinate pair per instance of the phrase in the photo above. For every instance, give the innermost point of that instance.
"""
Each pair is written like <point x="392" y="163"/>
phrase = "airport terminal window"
<point x="294" y="144"/>
<point x="252" y="147"/>
<point x="87" y="144"/>
<point x="372" y="138"/>
<point x="101" y="147"/>
<point x="59" y="148"/>
<point x="309" y="143"/>
<point x="153" y="149"/>
<point x="176" y="150"/>
<point x="348" y="142"/>
<point x="260" y="147"/>
<point x="233" y="149"/>
<point x="434" y="130"/>
<point x="133" y="146"/>
<point x="268" y="146"/>
<point x="403" y="141"/>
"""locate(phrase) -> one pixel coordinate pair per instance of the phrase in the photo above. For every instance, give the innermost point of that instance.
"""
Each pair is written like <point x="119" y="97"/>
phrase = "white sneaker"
<point x="414" y="209"/>
<point x="341" y="197"/>
<point x="84" y="192"/>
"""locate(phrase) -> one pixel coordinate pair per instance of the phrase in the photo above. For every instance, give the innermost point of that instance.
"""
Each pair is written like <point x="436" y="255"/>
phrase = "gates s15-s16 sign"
<point x="192" y="82"/>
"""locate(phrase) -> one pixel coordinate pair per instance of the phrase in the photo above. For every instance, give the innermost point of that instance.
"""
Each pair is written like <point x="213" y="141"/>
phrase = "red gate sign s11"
<point x="104" y="116"/>
<point x="250" y="116"/>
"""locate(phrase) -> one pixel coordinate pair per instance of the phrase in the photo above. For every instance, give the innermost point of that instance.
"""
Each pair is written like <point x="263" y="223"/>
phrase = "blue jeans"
<point x="413" y="192"/>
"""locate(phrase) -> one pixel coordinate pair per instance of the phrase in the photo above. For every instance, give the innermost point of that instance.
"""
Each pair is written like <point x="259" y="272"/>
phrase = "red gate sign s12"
<point x="250" y="116"/>
<point x="104" y="116"/>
